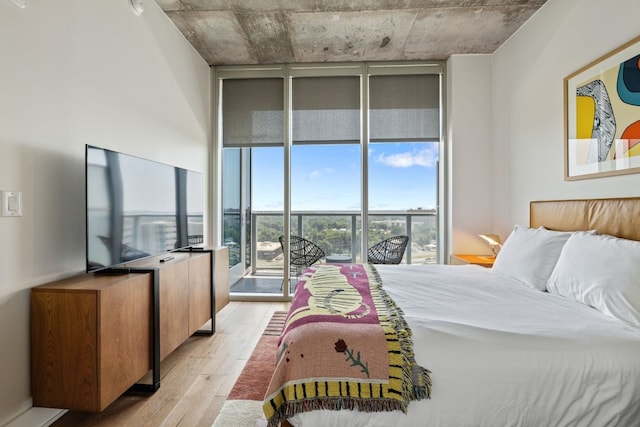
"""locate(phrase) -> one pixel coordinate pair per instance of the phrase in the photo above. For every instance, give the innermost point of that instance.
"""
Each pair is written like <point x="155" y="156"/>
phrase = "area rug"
<point x="243" y="407"/>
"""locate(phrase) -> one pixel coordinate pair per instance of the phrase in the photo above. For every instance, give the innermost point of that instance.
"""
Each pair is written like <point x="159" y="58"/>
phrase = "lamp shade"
<point x="494" y="241"/>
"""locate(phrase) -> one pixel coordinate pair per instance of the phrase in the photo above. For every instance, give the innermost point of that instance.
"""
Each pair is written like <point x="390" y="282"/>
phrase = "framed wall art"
<point x="602" y="115"/>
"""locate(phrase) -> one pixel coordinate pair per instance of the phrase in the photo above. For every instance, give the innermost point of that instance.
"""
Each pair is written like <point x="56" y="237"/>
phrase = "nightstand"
<point x="482" y="260"/>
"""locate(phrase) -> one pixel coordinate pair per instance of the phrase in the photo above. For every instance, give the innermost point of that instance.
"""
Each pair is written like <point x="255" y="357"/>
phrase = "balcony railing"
<point x="338" y="233"/>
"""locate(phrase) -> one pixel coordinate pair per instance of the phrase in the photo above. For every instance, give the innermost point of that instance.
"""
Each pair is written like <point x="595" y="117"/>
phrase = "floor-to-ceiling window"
<point x="404" y="152"/>
<point x="325" y="162"/>
<point x="252" y="131"/>
<point x="343" y="155"/>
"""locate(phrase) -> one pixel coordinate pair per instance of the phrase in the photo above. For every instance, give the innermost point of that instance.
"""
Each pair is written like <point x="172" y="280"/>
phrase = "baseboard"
<point x="41" y="417"/>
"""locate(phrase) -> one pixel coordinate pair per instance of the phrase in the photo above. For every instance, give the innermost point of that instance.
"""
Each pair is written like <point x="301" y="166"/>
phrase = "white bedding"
<point x="503" y="354"/>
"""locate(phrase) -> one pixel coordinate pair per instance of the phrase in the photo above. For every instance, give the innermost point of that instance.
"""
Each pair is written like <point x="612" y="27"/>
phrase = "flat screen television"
<point x="136" y="208"/>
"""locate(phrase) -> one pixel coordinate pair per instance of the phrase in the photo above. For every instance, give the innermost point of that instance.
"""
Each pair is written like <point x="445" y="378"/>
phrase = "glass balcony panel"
<point x="424" y="241"/>
<point x="232" y="221"/>
<point x="334" y="233"/>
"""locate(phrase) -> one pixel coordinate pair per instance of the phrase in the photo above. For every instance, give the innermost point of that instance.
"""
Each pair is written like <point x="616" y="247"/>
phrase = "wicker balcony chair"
<point x="303" y="253"/>
<point x="388" y="251"/>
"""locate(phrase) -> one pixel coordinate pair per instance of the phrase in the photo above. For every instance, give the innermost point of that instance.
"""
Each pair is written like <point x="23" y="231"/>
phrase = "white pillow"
<point x="529" y="254"/>
<point x="600" y="271"/>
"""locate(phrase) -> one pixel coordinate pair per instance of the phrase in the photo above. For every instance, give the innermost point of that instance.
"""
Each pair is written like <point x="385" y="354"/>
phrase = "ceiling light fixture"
<point x="20" y="3"/>
<point x="137" y="6"/>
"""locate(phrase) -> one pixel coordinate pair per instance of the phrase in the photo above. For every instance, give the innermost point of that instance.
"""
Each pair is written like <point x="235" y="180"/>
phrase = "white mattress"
<point x="503" y="354"/>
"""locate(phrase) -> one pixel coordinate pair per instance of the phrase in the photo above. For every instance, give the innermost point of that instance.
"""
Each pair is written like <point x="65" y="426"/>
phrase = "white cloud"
<point x="320" y="172"/>
<point x="426" y="157"/>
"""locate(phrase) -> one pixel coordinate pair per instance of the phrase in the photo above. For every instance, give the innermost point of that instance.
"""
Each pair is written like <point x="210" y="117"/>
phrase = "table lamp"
<point x="494" y="241"/>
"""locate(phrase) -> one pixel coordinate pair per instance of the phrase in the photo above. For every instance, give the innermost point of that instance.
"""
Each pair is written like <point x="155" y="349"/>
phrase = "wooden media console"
<point x="95" y="336"/>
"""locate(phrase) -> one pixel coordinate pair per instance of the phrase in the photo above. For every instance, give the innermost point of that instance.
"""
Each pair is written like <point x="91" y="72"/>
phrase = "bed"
<point x="549" y="337"/>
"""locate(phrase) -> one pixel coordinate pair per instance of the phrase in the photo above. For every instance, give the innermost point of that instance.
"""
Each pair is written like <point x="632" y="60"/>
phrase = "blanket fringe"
<point x="417" y="381"/>
<point x="292" y="408"/>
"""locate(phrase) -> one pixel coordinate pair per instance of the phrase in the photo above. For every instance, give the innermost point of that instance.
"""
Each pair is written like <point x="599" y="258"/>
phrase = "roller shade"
<point x="404" y="108"/>
<point x="252" y="112"/>
<point x="326" y="110"/>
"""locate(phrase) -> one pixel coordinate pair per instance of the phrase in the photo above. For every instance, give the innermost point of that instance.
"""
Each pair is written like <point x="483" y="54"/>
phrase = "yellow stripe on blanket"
<point x="345" y="345"/>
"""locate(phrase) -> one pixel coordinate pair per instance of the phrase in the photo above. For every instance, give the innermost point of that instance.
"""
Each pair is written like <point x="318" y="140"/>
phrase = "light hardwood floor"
<point x="195" y="379"/>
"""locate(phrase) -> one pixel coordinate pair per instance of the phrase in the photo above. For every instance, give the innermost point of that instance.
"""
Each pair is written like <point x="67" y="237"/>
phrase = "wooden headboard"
<point x="618" y="217"/>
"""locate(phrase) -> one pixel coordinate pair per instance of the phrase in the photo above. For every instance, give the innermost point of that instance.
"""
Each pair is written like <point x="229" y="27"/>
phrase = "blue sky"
<point x="327" y="177"/>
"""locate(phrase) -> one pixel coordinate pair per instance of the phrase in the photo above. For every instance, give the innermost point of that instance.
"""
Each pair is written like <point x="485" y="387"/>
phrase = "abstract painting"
<point x="602" y="115"/>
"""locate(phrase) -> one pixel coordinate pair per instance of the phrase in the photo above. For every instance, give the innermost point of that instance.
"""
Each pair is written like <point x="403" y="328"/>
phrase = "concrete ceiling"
<point x="227" y="32"/>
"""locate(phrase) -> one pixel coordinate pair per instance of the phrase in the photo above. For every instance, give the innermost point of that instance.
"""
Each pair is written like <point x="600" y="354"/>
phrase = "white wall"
<point x="528" y="73"/>
<point x="469" y="144"/>
<point x="505" y="124"/>
<point x="76" y="72"/>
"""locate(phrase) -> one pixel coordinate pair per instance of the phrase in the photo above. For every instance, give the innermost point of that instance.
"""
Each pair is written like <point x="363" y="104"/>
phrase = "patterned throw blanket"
<point x="345" y="345"/>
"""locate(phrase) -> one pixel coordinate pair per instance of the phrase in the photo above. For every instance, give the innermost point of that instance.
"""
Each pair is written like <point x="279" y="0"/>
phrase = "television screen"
<point x="138" y="208"/>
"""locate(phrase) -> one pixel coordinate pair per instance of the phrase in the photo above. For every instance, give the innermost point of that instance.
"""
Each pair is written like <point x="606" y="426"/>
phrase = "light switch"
<point x="11" y="203"/>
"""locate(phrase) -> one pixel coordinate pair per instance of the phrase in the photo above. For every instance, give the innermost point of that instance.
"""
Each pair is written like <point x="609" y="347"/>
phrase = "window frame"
<point x="363" y="70"/>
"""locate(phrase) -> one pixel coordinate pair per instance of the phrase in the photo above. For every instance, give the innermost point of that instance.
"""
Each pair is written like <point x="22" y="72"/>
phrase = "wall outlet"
<point x="11" y="203"/>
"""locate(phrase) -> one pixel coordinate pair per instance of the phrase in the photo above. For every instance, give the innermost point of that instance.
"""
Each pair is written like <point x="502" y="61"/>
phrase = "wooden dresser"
<point x="92" y="336"/>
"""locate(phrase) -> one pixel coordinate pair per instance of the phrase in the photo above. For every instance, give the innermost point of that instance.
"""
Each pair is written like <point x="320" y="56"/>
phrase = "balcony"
<point x="336" y="232"/>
